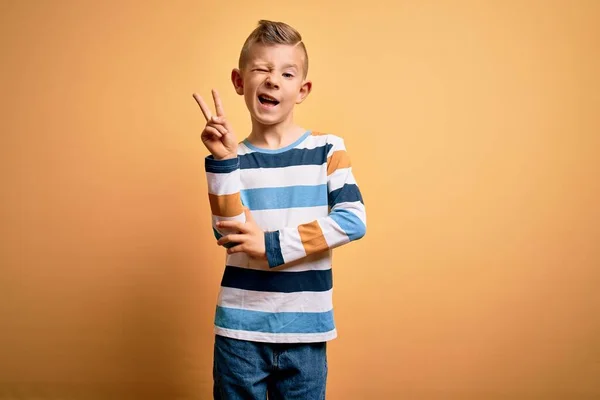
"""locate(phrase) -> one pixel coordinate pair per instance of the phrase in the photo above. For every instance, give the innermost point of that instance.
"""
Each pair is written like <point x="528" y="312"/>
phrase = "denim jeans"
<point x="249" y="370"/>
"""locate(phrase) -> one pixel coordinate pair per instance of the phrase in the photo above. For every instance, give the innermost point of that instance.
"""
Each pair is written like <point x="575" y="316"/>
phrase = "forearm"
<point x="224" y="185"/>
<point x="345" y="223"/>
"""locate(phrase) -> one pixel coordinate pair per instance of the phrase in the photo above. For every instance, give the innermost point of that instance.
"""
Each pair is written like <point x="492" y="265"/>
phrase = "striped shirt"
<point x="306" y="199"/>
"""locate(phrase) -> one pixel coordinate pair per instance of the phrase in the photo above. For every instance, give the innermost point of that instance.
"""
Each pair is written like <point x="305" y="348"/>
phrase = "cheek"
<point x="249" y="93"/>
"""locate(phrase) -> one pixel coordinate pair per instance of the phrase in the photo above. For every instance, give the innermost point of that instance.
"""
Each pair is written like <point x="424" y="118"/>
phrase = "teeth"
<point x="267" y="97"/>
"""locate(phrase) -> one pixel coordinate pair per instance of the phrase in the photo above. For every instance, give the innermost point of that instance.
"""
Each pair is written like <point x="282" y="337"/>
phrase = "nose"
<point x="272" y="81"/>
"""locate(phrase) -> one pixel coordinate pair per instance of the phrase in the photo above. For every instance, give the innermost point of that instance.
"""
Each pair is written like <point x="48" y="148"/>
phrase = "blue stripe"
<point x="273" y="249"/>
<point x="316" y="156"/>
<point x="221" y="166"/>
<point x="282" y="322"/>
<point x="349" y="222"/>
<point x="277" y="281"/>
<point x="347" y="193"/>
<point x="284" y="197"/>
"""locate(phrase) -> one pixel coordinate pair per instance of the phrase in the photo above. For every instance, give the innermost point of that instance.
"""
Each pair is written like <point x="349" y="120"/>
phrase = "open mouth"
<point x="267" y="100"/>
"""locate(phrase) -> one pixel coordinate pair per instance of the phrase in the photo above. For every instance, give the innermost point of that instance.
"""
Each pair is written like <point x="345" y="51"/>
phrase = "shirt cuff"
<point x="221" y="166"/>
<point x="273" y="249"/>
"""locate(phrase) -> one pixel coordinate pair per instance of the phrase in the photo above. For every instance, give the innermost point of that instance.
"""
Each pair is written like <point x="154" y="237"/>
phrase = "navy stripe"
<point x="284" y="197"/>
<point x="282" y="322"/>
<point x="273" y="249"/>
<point x="347" y="193"/>
<point x="277" y="281"/>
<point x="221" y="166"/>
<point x="316" y="156"/>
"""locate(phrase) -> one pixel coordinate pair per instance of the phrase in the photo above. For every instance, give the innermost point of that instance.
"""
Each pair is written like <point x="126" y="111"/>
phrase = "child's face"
<point x="272" y="82"/>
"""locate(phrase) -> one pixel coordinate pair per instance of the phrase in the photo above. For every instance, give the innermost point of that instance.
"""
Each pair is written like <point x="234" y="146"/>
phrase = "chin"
<point x="267" y="119"/>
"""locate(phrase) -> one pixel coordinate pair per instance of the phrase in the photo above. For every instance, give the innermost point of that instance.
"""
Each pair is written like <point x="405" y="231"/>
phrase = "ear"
<point x="304" y="91"/>
<point x="238" y="82"/>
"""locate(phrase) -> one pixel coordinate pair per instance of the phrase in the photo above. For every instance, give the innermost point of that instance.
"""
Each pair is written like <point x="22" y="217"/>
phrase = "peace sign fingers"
<point x="218" y="104"/>
<point x="203" y="106"/>
<point x="206" y="110"/>
<point x="217" y="134"/>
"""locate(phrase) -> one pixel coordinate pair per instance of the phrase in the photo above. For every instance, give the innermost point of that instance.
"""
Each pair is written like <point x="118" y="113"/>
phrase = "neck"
<point x="274" y="136"/>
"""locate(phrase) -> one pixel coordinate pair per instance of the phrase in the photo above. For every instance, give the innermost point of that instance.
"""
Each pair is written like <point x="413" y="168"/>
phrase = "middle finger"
<point x="203" y="107"/>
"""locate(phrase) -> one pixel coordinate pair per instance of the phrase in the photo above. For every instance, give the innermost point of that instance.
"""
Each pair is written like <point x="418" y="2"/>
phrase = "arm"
<point x="222" y="167"/>
<point x="223" y="178"/>
<point x="346" y="221"/>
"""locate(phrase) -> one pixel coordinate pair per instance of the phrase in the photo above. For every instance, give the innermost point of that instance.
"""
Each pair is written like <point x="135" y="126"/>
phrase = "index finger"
<point x="203" y="107"/>
<point x="238" y="225"/>
<point x="218" y="104"/>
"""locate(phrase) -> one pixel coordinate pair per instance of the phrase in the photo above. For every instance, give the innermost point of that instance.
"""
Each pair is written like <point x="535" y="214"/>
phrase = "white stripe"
<point x="275" y="302"/>
<point x="291" y="244"/>
<point x="315" y="262"/>
<point x="339" y="178"/>
<point x="297" y="175"/>
<point x="243" y="261"/>
<point x="221" y="184"/>
<point x="241" y="217"/>
<point x="275" y="219"/>
<point x="337" y="145"/>
<point x="333" y="233"/>
<point x="243" y="149"/>
<point x="313" y="141"/>
<point x="276" y="337"/>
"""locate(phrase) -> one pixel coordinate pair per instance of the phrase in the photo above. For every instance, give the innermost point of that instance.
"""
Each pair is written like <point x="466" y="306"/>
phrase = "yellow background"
<point x="475" y="139"/>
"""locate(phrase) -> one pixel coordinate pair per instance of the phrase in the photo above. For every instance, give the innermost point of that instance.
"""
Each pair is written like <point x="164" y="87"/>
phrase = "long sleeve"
<point x="345" y="222"/>
<point x="224" y="185"/>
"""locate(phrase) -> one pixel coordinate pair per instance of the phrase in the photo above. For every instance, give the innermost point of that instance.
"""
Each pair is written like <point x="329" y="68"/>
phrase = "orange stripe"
<point x="339" y="159"/>
<point x="312" y="238"/>
<point x="313" y="133"/>
<point x="227" y="205"/>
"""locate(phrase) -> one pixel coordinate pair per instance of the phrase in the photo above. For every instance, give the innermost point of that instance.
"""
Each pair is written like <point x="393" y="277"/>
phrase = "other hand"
<point x="250" y="239"/>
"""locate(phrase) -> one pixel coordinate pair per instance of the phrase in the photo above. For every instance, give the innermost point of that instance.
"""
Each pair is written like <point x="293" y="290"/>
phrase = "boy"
<point x="281" y="200"/>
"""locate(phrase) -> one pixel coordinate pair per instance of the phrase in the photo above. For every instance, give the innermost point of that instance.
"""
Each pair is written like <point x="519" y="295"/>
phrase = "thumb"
<point x="223" y="121"/>
<point x="248" y="214"/>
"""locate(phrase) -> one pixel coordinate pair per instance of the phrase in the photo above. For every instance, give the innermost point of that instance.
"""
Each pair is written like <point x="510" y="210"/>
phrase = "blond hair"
<point x="272" y="33"/>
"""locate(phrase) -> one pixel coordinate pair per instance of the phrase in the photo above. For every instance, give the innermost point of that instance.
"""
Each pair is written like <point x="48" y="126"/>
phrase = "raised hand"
<point x="250" y="239"/>
<point x="217" y="136"/>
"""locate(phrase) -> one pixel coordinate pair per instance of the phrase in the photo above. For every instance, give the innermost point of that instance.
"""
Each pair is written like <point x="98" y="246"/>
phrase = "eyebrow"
<point x="270" y="65"/>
